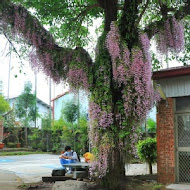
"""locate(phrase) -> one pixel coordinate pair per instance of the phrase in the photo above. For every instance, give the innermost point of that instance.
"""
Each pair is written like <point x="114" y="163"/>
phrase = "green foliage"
<point x="74" y="18"/>
<point x="40" y="139"/>
<point x="11" y="145"/>
<point x="64" y="133"/>
<point x="157" y="187"/>
<point x="57" y="131"/>
<point x="147" y="150"/>
<point x="82" y="135"/>
<point x="25" y="108"/>
<point x="70" y="111"/>
<point x="156" y="64"/>
<point x="25" y="104"/>
<point x="151" y="125"/>
<point x="4" y="105"/>
<point x="46" y="122"/>
<point x="12" y="125"/>
<point x="35" y="138"/>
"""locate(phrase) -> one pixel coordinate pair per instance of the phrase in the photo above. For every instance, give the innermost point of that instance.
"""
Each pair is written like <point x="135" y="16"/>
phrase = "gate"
<point x="183" y="148"/>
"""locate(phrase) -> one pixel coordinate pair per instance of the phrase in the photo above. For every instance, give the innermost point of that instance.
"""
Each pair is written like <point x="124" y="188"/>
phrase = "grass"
<point x="20" y="153"/>
<point x="144" y="185"/>
<point x="158" y="186"/>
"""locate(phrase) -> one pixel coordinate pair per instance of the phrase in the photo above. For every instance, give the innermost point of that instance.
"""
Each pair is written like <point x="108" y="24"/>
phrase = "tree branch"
<point x="13" y="46"/>
<point x="84" y="12"/>
<point x="110" y="9"/>
<point x="54" y="60"/>
<point x="143" y="11"/>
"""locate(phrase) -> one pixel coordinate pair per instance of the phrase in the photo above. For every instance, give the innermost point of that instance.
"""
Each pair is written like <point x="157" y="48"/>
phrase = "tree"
<point x="147" y="151"/>
<point x="70" y="112"/>
<point x="46" y="128"/>
<point x="25" y="107"/>
<point x="119" y="79"/>
<point x="4" y="105"/>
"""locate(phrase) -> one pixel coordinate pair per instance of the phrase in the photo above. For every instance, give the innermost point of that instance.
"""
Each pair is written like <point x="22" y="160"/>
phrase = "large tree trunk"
<point x="113" y="179"/>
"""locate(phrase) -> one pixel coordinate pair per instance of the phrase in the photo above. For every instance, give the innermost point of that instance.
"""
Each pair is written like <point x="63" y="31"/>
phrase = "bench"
<point x="80" y="169"/>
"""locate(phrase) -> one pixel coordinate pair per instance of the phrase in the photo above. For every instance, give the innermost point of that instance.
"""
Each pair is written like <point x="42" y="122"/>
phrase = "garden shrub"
<point x="11" y="145"/>
<point x="147" y="151"/>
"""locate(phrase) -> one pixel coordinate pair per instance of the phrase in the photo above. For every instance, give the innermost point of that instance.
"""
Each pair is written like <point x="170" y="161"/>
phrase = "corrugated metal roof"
<point x="171" y="72"/>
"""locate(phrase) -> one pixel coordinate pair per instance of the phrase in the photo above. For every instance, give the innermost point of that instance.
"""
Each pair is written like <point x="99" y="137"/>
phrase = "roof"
<point x="171" y="72"/>
<point x="38" y="101"/>
<point x="59" y="96"/>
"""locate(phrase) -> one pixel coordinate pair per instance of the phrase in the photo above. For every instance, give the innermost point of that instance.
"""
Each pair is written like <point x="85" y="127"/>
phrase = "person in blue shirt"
<point x="68" y="157"/>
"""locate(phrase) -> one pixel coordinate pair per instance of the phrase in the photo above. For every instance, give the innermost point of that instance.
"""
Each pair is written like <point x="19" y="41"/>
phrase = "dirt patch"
<point x="127" y="184"/>
<point x="37" y="186"/>
<point x="135" y="184"/>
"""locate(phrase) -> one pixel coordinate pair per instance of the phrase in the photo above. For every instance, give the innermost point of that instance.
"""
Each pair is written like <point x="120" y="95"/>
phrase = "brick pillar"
<point x="165" y="142"/>
<point x="1" y="130"/>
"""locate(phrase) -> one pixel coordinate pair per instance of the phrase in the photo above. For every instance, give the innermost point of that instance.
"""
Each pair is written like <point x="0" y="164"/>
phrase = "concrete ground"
<point x="15" y="170"/>
<point x="9" y="181"/>
<point x="178" y="187"/>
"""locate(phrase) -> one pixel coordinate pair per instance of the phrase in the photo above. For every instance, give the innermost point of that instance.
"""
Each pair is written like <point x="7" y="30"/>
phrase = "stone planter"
<point x="2" y="145"/>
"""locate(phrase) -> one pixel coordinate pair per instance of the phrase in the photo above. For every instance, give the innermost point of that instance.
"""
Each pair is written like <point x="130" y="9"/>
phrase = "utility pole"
<point x="9" y="73"/>
<point x="49" y="113"/>
<point x="36" y="97"/>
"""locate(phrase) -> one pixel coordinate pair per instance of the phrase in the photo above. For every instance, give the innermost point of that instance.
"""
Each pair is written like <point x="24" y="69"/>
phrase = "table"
<point x="77" y="165"/>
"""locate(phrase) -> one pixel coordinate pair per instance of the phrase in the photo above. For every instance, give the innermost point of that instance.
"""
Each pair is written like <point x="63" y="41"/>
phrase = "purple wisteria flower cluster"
<point x="101" y="118"/>
<point x="77" y="78"/>
<point x="133" y="70"/>
<point x="171" y="38"/>
<point x="40" y="60"/>
<point x="44" y="55"/>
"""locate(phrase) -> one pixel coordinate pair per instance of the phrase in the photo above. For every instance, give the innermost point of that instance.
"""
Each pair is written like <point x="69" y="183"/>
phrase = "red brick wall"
<point x="165" y="142"/>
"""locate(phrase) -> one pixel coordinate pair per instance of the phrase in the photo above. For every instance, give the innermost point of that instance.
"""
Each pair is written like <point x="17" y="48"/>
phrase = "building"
<point x="173" y="125"/>
<point x="43" y="109"/>
<point x="60" y="100"/>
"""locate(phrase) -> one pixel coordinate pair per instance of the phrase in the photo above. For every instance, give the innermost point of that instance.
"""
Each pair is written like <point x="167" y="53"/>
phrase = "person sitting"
<point x="68" y="157"/>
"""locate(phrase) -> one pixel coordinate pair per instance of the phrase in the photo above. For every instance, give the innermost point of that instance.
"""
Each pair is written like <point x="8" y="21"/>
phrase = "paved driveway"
<point x="30" y="168"/>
